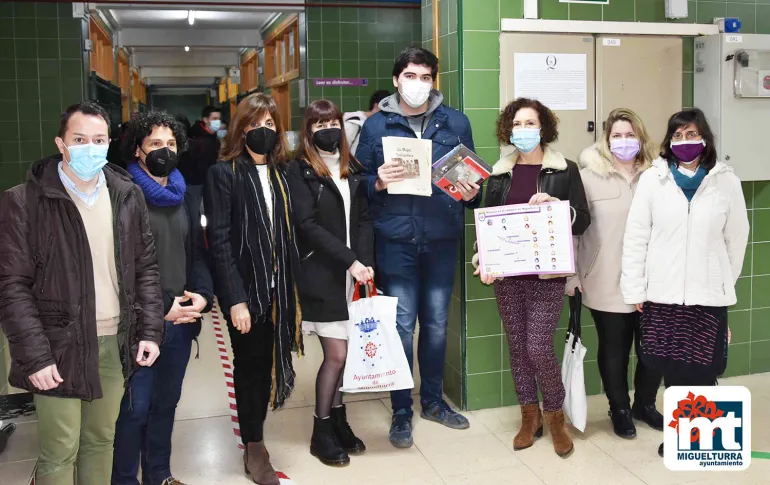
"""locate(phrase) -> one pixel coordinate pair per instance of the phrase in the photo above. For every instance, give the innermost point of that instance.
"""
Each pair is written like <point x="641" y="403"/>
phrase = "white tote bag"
<point x="575" y="405"/>
<point x="376" y="361"/>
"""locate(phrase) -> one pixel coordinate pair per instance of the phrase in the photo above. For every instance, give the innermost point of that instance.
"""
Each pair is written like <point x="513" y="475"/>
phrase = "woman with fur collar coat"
<point x="530" y="305"/>
<point x="610" y="170"/>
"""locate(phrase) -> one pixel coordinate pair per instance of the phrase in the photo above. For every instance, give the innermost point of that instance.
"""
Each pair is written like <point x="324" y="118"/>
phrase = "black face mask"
<point x="261" y="140"/>
<point x="161" y="162"/>
<point x="328" y="139"/>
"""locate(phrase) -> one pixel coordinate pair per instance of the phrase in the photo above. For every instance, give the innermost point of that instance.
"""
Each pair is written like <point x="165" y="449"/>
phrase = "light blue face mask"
<point x="221" y="134"/>
<point x="215" y="125"/>
<point x="525" y="139"/>
<point x="86" y="161"/>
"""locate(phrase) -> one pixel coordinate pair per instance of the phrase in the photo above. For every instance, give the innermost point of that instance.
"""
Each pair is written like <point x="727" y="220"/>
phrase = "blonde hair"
<point x="647" y="149"/>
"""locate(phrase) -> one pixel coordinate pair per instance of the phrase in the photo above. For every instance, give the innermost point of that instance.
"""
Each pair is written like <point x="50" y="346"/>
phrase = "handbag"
<point x="575" y="404"/>
<point x="376" y="360"/>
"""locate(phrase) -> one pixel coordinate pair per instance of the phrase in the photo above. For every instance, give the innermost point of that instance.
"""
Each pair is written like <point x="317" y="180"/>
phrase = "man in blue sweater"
<point x="417" y="237"/>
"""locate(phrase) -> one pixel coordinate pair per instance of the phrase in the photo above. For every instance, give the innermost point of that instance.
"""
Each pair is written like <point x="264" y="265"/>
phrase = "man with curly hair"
<point x="80" y="298"/>
<point x="147" y="412"/>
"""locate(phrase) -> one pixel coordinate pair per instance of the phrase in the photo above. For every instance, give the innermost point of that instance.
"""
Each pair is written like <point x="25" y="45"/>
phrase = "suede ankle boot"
<point x="531" y="427"/>
<point x="562" y="442"/>
<point x="256" y="462"/>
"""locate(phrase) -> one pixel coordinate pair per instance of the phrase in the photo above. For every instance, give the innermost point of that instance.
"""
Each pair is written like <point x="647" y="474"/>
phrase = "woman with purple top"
<point x="530" y="305"/>
<point x="683" y="251"/>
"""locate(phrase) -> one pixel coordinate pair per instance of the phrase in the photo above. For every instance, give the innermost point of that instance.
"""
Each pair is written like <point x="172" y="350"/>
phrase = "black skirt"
<point x="684" y="341"/>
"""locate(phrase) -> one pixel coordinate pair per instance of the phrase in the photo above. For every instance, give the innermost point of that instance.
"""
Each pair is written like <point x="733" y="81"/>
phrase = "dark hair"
<point x="377" y="97"/>
<point x="141" y="127"/>
<point x="210" y="109"/>
<point x="183" y="120"/>
<point x="415" y="55"/>
<point x="90" y="108"/>
<point x="549" y="122"/>
<point x="683" y="118"/>
<point x="322" y="110"/>
<point x="253" y="108"/>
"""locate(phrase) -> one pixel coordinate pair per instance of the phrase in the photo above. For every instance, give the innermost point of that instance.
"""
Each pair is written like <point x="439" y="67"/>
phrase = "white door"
<point x="557" y="69"/>
<point x="641" y="73"/>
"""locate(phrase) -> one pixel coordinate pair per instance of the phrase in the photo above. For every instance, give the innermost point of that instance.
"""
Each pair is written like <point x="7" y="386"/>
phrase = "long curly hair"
<point x="141" y="127"/>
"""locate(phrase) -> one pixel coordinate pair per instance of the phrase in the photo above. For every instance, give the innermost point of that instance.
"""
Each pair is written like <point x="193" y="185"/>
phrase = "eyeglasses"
<point x="690" y="135"/>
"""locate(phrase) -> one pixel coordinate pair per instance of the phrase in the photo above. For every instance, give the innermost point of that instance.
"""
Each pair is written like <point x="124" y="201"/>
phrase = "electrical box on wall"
<point x="676" y="9"/>
<point x="732" y="87"/>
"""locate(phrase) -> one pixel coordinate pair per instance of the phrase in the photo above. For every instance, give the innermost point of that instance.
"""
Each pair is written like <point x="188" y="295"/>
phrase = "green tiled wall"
<point x="488" y="381"/>
<point x="41" y="73"/>
<point x="356" y="43"/>
<point x="449" y="79"/>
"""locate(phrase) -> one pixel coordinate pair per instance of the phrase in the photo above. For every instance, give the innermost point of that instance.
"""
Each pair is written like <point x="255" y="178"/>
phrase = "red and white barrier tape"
<point x="227" y="367"/>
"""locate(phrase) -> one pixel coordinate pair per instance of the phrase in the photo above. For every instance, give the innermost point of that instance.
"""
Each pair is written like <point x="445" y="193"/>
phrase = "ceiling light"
<point x="187" y="48"/>
<point x="191" y="17"/>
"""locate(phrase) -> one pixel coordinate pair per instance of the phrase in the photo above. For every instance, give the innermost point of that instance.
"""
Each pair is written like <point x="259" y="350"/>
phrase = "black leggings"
<point x="252" y="374"/>
<point x="617" y="332"/>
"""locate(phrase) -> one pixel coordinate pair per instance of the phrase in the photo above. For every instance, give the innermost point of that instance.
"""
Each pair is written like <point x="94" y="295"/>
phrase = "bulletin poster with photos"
<point x="522" y="239"/>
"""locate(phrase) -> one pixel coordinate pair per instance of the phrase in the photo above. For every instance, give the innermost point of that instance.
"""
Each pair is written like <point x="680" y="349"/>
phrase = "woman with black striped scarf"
<point x="254" y="253"/>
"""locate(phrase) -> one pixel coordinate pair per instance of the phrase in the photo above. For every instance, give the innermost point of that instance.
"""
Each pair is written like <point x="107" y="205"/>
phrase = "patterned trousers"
<point x="530" y="310"/>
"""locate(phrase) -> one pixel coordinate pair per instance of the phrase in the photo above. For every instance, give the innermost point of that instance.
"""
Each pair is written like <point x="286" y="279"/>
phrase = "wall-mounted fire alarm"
<point x="676" y="9"/>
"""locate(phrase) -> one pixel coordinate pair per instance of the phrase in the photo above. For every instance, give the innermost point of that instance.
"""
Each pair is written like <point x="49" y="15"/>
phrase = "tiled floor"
<point x="205" y="450"/>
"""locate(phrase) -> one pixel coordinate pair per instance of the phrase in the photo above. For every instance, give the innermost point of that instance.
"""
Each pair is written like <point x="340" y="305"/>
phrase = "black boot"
<point x="623" y="424"/>
<point x="650" y="415"/>
<point x="660" y="450"/>
<point x="344" y="434"/>
<point x="324" y="444"/>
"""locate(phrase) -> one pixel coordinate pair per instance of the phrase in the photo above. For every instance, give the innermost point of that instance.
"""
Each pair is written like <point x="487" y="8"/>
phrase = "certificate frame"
<point x="533" y="232"/>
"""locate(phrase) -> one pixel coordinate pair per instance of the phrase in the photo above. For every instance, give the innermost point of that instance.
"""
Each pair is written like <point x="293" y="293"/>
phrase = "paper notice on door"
<point x="559" y="81"/>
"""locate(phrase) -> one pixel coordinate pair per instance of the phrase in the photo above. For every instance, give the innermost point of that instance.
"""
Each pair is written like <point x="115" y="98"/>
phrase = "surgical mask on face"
<point x="161" y="162"/>
<point x="215" y="125"/>
<point x="687" y="150"/>
<point x="414" y="92"/>
<point x="86" y="161"/>
<point x="525" y="139"/>
<point x="625" y="149"/>
<point x="221" y="134"/>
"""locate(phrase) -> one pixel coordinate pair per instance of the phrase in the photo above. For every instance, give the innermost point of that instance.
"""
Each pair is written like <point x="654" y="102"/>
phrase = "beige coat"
<point x="600" y="248"/>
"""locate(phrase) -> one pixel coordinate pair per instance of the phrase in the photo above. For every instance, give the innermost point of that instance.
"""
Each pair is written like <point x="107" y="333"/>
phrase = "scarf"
<point x="157" y="195"/>
<point x="689" y="185"/>
<point x="270" y="256"/>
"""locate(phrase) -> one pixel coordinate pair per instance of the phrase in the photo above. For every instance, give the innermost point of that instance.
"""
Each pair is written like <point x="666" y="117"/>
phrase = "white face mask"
<point x="414" y="92"/>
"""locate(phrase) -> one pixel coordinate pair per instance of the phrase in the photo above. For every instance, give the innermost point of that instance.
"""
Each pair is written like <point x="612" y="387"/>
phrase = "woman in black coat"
<point x="336" y="244"/>
<point x="255" y="259"/>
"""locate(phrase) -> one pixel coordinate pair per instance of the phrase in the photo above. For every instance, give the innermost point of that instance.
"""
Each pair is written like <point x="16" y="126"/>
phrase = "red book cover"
<point x="461" y="164"/>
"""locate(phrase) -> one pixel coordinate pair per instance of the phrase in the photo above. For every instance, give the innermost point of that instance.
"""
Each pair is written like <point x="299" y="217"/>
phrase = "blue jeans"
<point x="148" y="408"/>
<point x="421" y="277"/>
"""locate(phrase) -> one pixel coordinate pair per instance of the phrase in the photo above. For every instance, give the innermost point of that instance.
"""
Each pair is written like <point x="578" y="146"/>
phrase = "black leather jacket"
<point x="560" y="178"/>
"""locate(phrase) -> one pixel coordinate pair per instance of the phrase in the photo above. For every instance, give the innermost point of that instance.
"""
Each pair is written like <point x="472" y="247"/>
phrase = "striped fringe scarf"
<point x="271" y="256"/>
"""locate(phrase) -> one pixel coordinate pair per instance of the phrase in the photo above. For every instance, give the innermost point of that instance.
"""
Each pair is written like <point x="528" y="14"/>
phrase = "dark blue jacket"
<point x="411" y="218"/>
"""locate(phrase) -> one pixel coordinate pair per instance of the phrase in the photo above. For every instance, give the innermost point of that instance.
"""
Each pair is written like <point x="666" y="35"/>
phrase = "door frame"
<point x="601" y="27"/>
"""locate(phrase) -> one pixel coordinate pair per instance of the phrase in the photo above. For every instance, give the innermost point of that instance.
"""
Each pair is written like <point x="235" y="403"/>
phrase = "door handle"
<point x="590" y="127"/>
